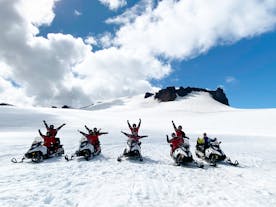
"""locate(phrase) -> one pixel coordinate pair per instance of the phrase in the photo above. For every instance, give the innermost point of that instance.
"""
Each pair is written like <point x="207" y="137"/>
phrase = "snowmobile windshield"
<point x="38" y="140"/>
<point x="83" y="139"/>
<point x="215" y="143"/>
<point x="186" y="140"/>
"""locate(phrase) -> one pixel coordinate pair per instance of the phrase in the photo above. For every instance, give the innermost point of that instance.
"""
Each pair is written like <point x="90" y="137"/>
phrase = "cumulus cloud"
<point x="61" y="69"/>
<point x="114" y="4"/>
<point x="186" y="28"/>
<point x="11" y="95"/>
<point x="90" y="40"/>
<point x="114" y="73"/>
<point x="38" y="64"/>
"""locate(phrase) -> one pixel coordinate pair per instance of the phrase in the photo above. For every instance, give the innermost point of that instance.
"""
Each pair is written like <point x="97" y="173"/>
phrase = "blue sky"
<point x="75" y="52"/>
<point x="246" y="69"/>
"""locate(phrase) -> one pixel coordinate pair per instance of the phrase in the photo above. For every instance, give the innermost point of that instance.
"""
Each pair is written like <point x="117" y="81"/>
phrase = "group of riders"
<point x="176" y="140"/>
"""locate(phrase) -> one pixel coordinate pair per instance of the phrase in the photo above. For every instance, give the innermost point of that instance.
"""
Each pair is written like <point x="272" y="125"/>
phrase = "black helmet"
<point x="51" y="126"/>
<point x="134" y="125"/>
<point x="95" y="129"/>
<point x="173" y="134"/>
<point x="179" y="127"/>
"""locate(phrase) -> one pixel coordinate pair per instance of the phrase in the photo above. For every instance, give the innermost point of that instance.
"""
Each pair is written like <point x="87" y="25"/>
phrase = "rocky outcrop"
<point x="148" y="95"/>
<point x="5" y="104"/>
<point x="66" y="107"/>
<point x="171" y="93"/>
<point x="168" y="94"/>
<point x="220" y="96"/>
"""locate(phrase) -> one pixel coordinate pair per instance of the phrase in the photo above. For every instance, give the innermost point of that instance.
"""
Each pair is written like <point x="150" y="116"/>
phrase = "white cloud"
<point x="10" y="94"/>
<point x="61" y="69"/>
<point x="113" y="73"/>
<point x="90" y="40"/>
<point x="186" y="28"/>
<point x="38" y="64"/>
<point x="230" y="79"/>
<point x="77" y="13"/>
<point x="114" y="4"/>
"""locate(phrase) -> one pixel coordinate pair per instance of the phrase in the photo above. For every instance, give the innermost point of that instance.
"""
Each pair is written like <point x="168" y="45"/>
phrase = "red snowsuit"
<point x="175" y="143"/>
<point x="179" y="133"/>
<point x="133" y="137"/>
<point x="134" y="130"/>
<point x="52" y="131"/>
<point x="93" y="138"/>
<point x="49" y="141"/>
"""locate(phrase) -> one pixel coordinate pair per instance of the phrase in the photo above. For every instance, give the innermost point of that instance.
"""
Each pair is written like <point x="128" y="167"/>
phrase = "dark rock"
<point x="170" y="94"/>
<point x="220" y="96"/>
<point x="54" y="107"/>
<point x="65" y="107"/>
<point x="5" y="104"/>
<point x="148" y="95"/>
<point x="164" y="95"/>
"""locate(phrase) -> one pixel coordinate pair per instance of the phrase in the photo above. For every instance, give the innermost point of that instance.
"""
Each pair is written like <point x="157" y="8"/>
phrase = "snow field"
<point x="246" y="135"/>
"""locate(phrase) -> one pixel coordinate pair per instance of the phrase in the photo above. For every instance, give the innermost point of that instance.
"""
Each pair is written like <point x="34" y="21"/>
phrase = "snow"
<point x="247" y="135"/>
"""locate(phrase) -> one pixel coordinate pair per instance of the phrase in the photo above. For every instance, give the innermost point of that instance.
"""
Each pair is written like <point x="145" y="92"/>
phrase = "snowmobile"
<point x="183" y="155"/>
<point x="133" y="149"/>
<point x="213" y="154"/>
<point x="38" y="152"/>
<point x="86" y="150"/>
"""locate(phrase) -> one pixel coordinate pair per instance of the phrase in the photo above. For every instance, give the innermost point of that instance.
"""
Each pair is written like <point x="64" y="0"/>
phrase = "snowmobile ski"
<point x="14" y="160"/>
<point x="67" y="158"/>
<point x="229" y="161"/>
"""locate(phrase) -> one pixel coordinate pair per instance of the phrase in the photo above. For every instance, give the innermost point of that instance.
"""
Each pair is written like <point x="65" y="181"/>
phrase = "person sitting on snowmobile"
<point x="93" y="137"/>
<point x="207" y="140"/>
<point x="178" y="130"/>
<point x="175" y="142"/>
<point x="134" y="138"/>
<point x="52" y="131"/>
<point x="49" y="141"/>
<point x="204" y="143"/>
<point x="134" y="129"/>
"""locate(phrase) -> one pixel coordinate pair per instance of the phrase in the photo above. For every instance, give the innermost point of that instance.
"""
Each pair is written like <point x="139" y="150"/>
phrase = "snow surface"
<point x="246" y="134"/>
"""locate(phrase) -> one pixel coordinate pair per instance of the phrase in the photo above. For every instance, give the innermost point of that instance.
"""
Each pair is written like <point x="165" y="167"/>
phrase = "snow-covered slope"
<point x="246" y="135"/>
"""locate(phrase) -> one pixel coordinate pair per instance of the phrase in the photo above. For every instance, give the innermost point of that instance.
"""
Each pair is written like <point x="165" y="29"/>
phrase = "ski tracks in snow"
<point x="103" y="181"/>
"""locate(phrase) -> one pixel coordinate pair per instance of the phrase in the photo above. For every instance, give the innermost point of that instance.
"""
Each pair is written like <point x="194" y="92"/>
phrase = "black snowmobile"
<point x="86" y="150"/>
<point x="213" y="153"/>
<point x="38" y="152"/>
<point x="133" y="148"/>
<point x="183" y="155"/>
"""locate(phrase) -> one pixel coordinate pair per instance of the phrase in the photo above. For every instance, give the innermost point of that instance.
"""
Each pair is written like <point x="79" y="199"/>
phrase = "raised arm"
<point x="129" y="125"/>
<point x="61" y="126"/>
<point x="40" y="133"/>
<point x="46" y="125"/>
<point x="84" y="134"/>
<point x="168" y="139"/>
<point x="86" y="127"/>
<point x="174" y="126"/>
<point x="139" y="124"/>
